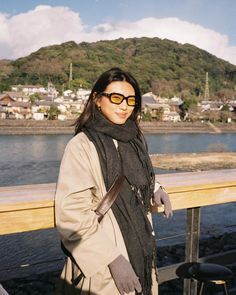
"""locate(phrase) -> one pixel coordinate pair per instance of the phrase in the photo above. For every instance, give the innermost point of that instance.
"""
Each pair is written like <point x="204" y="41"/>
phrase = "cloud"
<point x="45" y="25"/>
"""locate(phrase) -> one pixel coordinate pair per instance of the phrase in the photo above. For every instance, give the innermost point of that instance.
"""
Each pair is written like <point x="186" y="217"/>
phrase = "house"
<point x="17" y="96"/>
<point x="46" y="104"/>
<point x="38" y="116"/>
<point x="6" y="104"/>
<point x="148" y="99"/>
<point x="29" y="89"/>
<point x="171" y="117"/>
<point x="6" y="98"/>
<point x="21" y="110"/>
<point x="210" y="105"/>
<point x="14" y="109"/>
<point x="169" y="107"/>
<point x="149" y="104"/>
<point x="156" y="109"/>
<point x="2" y="113"/>
<point x="176" y="100"/>
<point x="69" y="93"/>
<point x="62" y="108"/>
<point x="232" y="105"/>
<point x="61" y="117"/>
<point x="83" y="94"/>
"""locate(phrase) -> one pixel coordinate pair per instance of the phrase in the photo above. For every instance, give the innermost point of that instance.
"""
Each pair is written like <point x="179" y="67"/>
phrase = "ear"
<point x="98" y="104"/>
<point x="96" y="99"/>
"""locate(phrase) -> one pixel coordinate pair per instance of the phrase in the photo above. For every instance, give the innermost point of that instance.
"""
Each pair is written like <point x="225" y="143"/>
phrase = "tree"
<point x="160" y="112"/>
<point x="53" y="112"/>
<point x="163" y="87"/>
<point x="225" y="94"/>
<point x="147" y="116"/>
<point x="79" y="83"/>
<point x="190" y="102"/>
<point x="212" y="116"/>
<point x="34" y="97"/>
<point x="225" y="115"/>
<point x="225" y="108"/>
<point x="193" y="114"/>
<point x="4" y="86"/>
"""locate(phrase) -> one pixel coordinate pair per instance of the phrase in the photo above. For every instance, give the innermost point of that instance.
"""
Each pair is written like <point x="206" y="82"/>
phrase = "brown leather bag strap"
<point x="109" y="197"/>
<point x="101" y="210"/>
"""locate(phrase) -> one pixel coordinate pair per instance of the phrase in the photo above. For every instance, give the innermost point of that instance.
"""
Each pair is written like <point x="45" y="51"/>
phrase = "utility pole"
<point x="70" y="76"/>
<point x="207" y="94"/>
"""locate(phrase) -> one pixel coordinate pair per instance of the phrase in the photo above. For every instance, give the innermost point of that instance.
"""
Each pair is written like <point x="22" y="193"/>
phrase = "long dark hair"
<point x="114" y="74"/>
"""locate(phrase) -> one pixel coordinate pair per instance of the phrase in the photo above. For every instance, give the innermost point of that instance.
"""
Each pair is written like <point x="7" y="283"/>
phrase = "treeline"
<point x="165" y="67"/>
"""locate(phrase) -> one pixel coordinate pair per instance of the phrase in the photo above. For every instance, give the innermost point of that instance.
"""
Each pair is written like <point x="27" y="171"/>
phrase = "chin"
<point x="120" y="121"/>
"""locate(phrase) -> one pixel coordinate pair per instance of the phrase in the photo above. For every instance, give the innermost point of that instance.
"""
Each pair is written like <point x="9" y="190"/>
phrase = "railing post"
<point x="192" y="246"/>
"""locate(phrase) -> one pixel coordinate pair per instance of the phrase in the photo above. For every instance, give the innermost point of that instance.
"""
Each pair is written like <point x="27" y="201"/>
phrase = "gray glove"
<point x="124" y="276"/>
<point x="161" y="197"/>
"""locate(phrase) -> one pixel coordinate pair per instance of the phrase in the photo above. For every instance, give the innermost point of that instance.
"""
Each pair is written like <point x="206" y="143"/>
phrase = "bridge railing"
<point x="31" y="207"/>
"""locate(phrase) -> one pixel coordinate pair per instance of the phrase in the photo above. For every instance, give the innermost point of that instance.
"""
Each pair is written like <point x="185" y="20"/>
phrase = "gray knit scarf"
<point x="133" y="203"/>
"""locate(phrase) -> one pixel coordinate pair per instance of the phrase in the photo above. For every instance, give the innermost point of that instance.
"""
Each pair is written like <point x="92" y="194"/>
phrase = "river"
<point x="31" y="159"/>
<point x="28" y="159"/>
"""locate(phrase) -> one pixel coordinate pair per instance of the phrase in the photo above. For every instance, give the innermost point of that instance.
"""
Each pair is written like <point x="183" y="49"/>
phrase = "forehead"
<point x="122" y="87"/>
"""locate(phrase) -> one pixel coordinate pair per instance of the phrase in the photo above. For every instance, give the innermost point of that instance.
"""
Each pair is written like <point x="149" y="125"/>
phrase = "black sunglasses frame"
<point x="108" y="95"/>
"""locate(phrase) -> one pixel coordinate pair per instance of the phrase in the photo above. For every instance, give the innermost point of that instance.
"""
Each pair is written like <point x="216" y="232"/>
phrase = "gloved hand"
<point x="161" y="197"/>
<point x="124" y="276"/>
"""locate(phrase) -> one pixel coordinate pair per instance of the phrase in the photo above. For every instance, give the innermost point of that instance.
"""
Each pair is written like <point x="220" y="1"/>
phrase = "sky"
<point x="26" y="26"/>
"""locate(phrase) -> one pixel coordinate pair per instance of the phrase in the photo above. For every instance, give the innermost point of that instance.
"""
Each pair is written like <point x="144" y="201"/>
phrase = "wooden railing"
<point x="31" y="207"/>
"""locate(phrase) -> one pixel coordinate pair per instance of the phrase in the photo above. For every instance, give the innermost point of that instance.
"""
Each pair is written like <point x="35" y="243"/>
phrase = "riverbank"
<point x="67" y="127"/>
<point x="44" y="283"/>
<point x="194" y="161"/>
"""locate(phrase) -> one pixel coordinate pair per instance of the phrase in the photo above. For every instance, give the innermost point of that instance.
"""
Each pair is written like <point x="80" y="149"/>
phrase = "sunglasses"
<point x="117" y="98"/>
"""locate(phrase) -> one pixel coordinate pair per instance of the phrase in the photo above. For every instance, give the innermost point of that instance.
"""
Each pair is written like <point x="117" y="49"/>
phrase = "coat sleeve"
<point x="76" y="220"/>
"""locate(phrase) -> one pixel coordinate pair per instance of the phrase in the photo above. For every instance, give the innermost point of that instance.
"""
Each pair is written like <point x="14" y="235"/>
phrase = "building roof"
<point x="21" y="104"/>
<point x="155" y="105"/>
<point x="46" y="103"/>
<point x="146" y="99"/>
<point x="15" y="94"/>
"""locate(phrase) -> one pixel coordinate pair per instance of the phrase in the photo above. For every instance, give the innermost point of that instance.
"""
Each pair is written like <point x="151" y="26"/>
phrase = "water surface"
<point x="28" y="159"/>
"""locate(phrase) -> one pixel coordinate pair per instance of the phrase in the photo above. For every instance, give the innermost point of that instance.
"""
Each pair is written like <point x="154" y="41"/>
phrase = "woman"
<point x="118" y="255"/>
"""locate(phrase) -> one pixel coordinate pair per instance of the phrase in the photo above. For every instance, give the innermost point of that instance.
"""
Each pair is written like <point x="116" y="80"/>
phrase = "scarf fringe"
<point x="143" y="194"/>
<point x="146" y="281"/>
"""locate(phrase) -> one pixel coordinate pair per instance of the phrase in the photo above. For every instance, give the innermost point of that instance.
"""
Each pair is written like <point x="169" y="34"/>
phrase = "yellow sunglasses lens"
<point x="117" y="99"/>
<point x="131" y="101"/>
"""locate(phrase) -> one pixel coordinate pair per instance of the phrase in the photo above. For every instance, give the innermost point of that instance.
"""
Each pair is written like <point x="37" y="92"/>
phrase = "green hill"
<point x="163" y="66"/>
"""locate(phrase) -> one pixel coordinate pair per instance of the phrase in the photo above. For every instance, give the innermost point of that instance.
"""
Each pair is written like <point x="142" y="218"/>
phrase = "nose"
<point x="123" y="105"/>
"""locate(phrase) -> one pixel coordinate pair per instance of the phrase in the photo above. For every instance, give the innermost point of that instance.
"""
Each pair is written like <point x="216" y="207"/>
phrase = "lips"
<point x="122" y="115"/>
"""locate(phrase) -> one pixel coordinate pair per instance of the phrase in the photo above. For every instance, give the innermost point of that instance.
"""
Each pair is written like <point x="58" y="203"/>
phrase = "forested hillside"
<point x="162" y="66"/>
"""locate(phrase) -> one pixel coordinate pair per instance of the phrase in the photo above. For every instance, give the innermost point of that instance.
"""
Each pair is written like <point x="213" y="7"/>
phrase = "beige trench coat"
<point x="93" y="246"/>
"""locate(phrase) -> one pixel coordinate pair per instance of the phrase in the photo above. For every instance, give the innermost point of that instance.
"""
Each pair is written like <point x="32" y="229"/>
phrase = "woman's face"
<point x="116" y="113"/>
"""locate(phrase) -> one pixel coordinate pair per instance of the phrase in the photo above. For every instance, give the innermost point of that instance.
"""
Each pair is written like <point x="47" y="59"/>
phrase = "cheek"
<point x="130" y="110"/>
<point x="107" y="108"/>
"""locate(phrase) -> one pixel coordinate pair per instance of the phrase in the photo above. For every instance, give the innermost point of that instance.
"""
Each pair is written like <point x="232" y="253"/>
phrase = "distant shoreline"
<point x="24" y="127"/>
<point x="194" y="161"/>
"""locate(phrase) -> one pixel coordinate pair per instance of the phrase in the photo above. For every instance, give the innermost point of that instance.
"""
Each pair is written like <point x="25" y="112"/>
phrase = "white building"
<point x="29" y="89"/>
<point x="171" y="117"/>
<point x="38" y="116"/>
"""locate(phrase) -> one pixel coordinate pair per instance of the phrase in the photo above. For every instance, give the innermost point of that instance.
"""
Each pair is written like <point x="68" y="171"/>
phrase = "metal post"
<point x="192" y="246"/>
